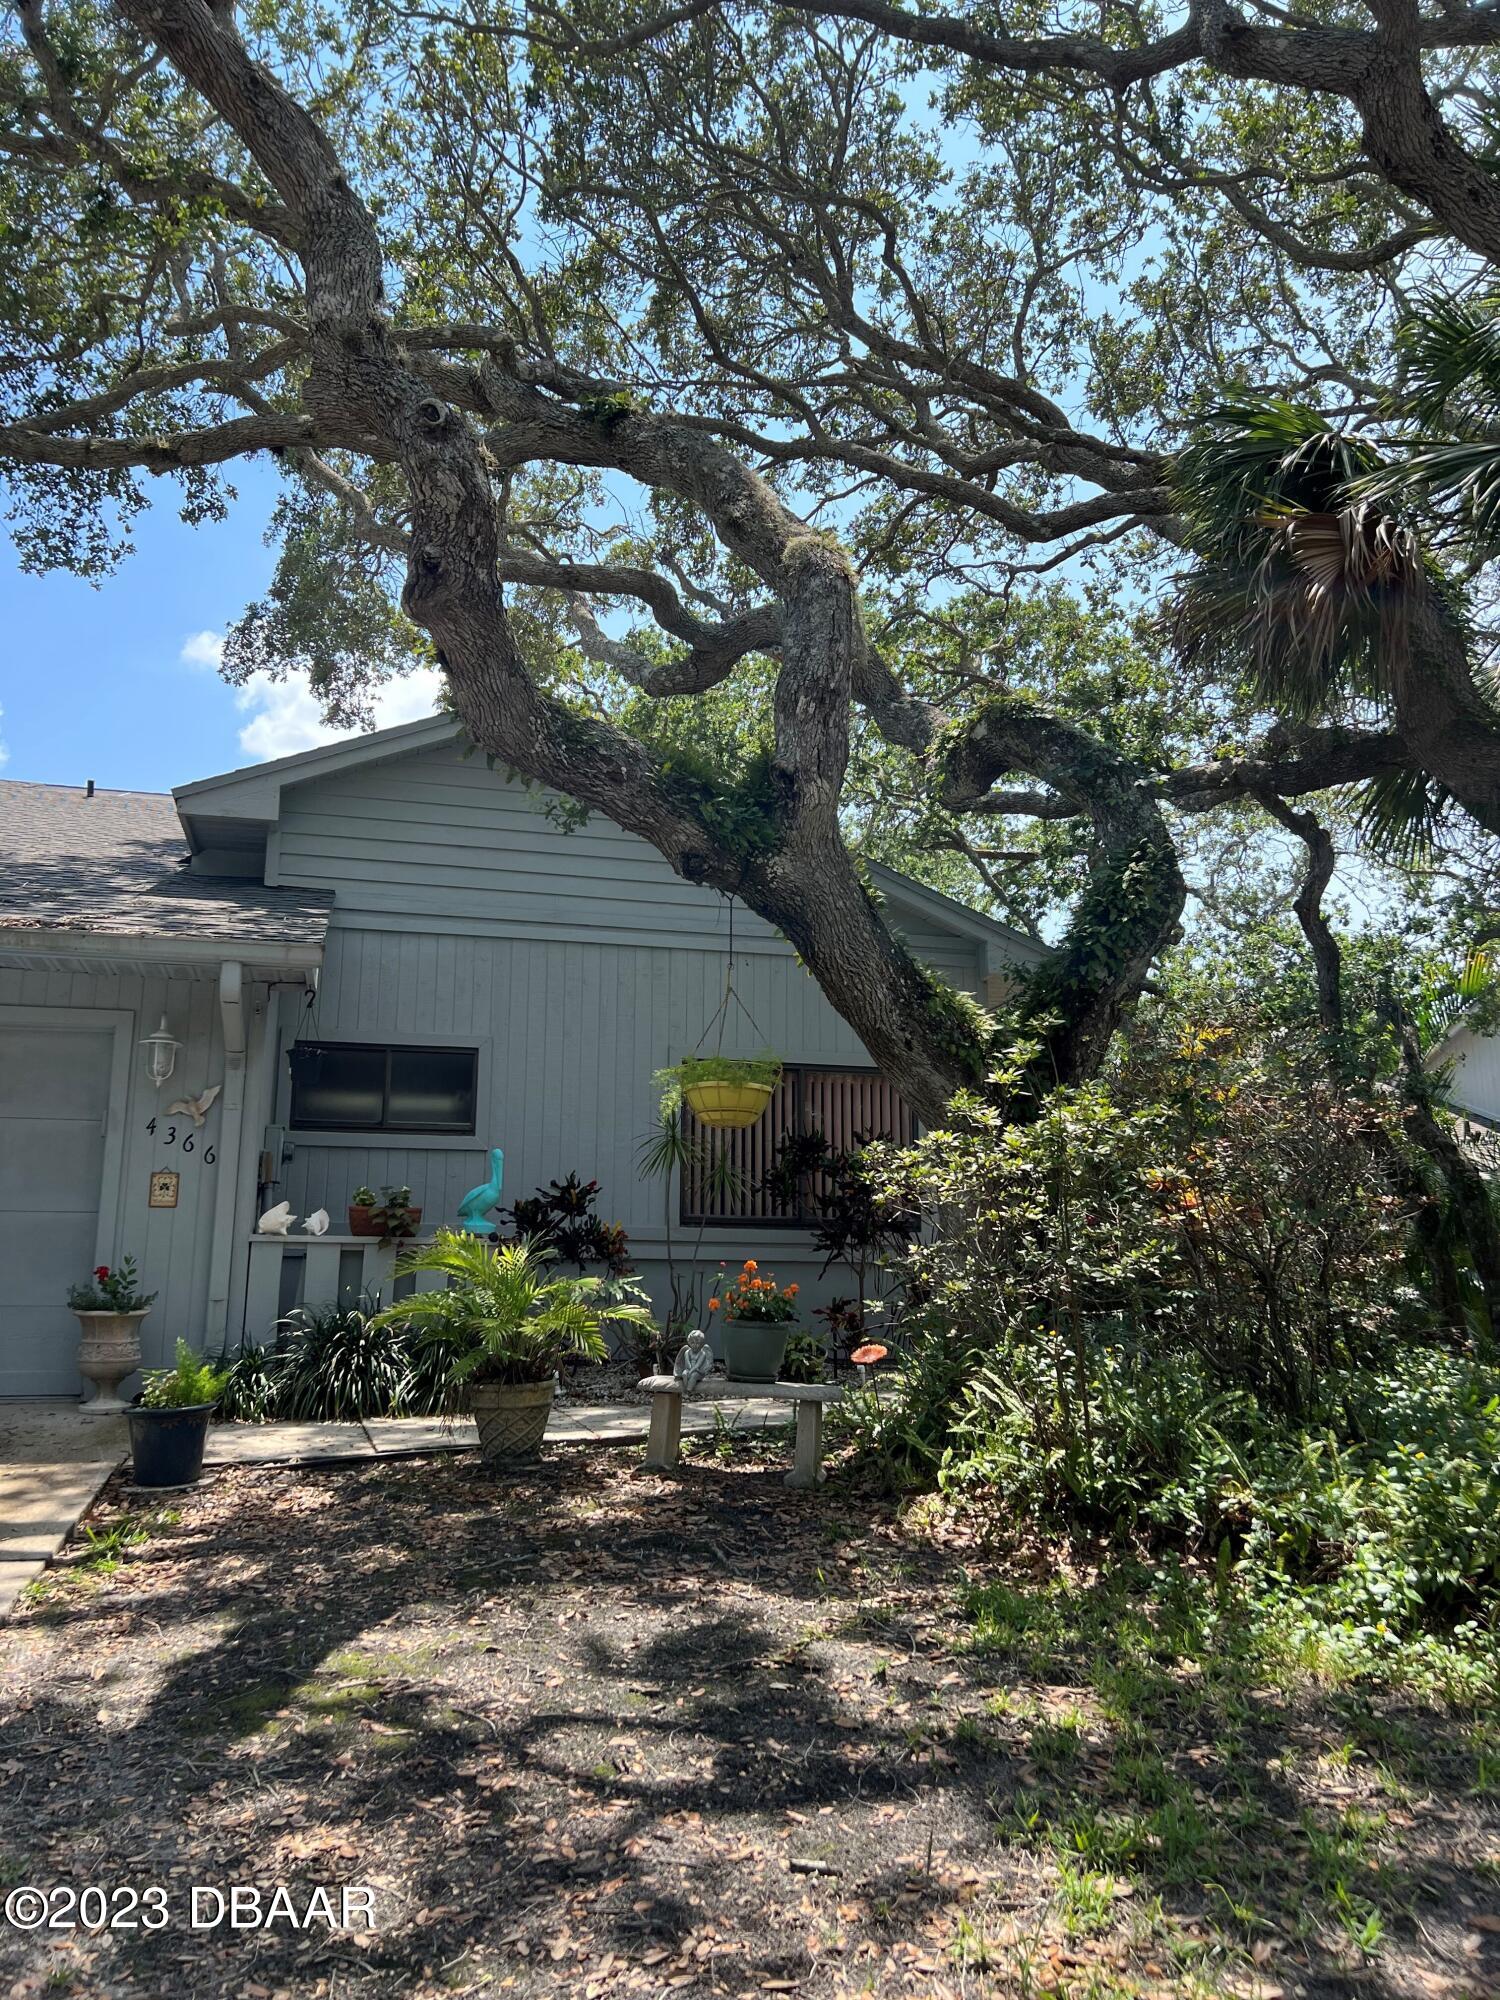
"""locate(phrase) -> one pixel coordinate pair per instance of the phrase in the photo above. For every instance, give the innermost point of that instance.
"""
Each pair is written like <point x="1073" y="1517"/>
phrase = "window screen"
<point x="373" y="1087"/>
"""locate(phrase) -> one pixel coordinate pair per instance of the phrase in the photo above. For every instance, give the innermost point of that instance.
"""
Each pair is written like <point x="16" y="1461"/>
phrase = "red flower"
<point x="101" y="1271"/>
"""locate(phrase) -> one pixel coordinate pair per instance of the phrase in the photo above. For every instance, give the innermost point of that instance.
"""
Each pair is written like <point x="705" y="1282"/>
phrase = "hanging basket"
<point x="305" y="1062"/>
<point x="728" y="1107"/>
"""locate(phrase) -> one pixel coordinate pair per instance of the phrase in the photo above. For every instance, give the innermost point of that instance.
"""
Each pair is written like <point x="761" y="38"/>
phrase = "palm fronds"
<point x="1449" y="382"/>
<point x="1307" y="590"/>
<point x="1398" y="815"/>
<point x="500" y="1317"/>
<point x="1449" y="352"/>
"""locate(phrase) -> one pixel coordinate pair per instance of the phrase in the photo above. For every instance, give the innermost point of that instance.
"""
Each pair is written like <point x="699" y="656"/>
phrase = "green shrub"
<point x="1393" y="1509"/>
<point x="191" y="1382"/>
<point x="338" y="1364"/>
<point x="332" y="1364"/>
<point x="1173" y="1308"/>
<point x="806" y="1358"/>
<point x="252" y="1385"/>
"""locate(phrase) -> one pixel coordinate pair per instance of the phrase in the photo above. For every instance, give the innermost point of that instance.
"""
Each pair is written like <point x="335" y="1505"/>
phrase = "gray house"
<point x="472" y="973"/>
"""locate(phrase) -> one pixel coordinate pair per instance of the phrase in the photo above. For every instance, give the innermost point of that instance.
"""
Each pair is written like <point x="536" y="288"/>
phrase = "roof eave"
<point x="156" y="948"/>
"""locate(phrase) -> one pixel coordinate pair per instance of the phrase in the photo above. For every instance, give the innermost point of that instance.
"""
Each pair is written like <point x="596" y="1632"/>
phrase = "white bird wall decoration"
<point x="276" y="1221"/>
<point x="197" y="1108"/>
<point x="317" y="1223"/>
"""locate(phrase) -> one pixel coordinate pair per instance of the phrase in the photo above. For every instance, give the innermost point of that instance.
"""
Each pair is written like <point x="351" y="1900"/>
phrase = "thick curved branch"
<point x="212" y="446"/>
<point x="792" y="867"/>
<point x="1308" y="904"/>
<point x="1288" y="762"/>
<point x="1130" y="910"/>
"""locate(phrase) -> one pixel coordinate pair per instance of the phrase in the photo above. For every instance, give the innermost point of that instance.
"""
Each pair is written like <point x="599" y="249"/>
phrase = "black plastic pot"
<point x="166" y="1446"/>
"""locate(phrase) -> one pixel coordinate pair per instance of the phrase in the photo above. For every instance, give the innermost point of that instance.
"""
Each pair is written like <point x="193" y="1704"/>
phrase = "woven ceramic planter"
<point x="511" y="1418"/>
<point x="729" y="1107"/>
<point x="109" y="1349"/>
<point x="754" y="1349"/>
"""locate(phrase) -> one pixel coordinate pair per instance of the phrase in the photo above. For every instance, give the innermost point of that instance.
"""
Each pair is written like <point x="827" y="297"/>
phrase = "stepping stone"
<point x="398" y="1437"/>
<point x="285" y="1444"/>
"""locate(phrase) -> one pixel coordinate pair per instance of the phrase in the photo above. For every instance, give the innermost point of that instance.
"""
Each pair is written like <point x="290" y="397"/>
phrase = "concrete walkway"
<point x="401" y="1437"/>
<point x="55" y="1457"/>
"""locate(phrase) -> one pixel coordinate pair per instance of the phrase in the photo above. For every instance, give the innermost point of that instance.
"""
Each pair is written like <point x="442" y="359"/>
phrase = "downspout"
<point x="226" y="1198"/>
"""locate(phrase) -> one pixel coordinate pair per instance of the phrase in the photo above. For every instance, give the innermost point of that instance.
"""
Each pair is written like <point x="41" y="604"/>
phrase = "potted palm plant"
<point x="726" y="1092"/>
<point x="109" y="1308"/>
<point x="507" y="1327"/>
<point x="169" y="1424"/>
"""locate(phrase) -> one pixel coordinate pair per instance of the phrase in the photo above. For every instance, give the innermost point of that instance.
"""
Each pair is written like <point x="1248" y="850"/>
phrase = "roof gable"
<point x="238" y="808"/>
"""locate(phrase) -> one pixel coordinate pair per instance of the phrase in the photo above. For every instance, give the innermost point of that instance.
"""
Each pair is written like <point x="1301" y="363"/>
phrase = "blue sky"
<point x="117" y="683"/>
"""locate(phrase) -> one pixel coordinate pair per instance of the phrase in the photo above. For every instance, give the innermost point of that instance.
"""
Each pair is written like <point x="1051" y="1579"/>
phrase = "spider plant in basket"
<point x="507" y="1326"/>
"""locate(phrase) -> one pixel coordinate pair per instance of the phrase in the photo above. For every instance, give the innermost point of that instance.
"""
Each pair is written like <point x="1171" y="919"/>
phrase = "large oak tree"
<point x="811" y="340"/>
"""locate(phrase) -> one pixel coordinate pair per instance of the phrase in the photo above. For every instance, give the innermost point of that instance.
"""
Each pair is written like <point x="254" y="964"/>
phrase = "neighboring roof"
<point x="223" y="808"/>
<point x="116" y="864"/>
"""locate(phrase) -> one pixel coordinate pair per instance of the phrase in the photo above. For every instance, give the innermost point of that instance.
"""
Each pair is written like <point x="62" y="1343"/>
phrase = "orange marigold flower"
<point x="751" y="1265"/>
<point x="792" y="1291"/>
<point x="713" y="1305"/>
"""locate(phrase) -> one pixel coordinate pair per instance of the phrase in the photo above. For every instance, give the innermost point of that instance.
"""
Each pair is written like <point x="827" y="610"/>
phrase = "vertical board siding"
<point x="1476" y="1073"/>
<point x="437" y="837"/>
<point x="171" y="1246"/>
<point x="570" y="1035"/>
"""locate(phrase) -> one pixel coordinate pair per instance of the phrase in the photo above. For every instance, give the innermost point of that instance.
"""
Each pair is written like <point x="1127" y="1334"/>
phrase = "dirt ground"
<point x="595" y="1732"/>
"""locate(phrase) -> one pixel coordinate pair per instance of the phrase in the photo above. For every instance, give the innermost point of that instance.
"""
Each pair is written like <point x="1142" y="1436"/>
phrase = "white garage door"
<point x="54" y="1098"/>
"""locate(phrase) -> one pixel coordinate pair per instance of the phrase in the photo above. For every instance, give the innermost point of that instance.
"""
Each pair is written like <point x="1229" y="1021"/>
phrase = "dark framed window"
<point x="730" y="1177"/>
<point x="382" y="1087"/>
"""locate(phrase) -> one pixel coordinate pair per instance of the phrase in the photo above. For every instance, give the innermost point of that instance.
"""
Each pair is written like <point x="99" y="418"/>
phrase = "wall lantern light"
<point x="161" y="1053"/>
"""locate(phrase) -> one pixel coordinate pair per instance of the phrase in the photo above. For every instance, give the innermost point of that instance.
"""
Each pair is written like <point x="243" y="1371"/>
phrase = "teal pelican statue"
<point x="473" y="1210"/>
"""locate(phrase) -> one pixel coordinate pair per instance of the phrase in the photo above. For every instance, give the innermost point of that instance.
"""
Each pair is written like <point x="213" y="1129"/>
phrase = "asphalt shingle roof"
<point x="116" y="863"/>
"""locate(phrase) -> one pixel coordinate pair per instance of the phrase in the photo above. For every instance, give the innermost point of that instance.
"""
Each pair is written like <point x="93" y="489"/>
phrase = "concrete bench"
<point x="664" y="1440"/>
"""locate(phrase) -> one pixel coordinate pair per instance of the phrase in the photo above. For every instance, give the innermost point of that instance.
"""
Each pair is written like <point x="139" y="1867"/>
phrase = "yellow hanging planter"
<point x="728" y="1107"/>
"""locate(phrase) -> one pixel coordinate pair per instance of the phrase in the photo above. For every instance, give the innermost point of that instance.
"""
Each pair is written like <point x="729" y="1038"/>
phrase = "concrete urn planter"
<point x="511" y="1418"/>
<point x="109" y="1349"/>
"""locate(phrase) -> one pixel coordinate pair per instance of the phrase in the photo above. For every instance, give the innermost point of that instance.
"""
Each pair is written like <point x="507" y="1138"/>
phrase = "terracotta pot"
<point x="362" y="1221"/>
<point x="109" y="1349"/>
<point x="512" y="1418"/>
<point x="728" y="1106"/>
<point x="754" y="1349"/>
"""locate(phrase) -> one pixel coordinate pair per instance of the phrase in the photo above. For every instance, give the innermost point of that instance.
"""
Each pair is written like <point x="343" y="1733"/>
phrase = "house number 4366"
<point x="189" y="1141"/>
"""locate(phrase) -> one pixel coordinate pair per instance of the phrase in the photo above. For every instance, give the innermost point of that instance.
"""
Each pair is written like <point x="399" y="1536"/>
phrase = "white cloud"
<point x="203" y="649"/>
<point x="284" y="717"/>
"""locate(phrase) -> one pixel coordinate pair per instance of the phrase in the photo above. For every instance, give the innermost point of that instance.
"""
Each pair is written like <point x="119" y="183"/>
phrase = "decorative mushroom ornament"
<point x="867" y="1357"/>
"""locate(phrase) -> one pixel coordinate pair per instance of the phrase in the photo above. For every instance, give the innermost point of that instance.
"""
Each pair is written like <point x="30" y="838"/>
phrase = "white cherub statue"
<point x="695" y="1361"/>
<point x="276" y="1221"/>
